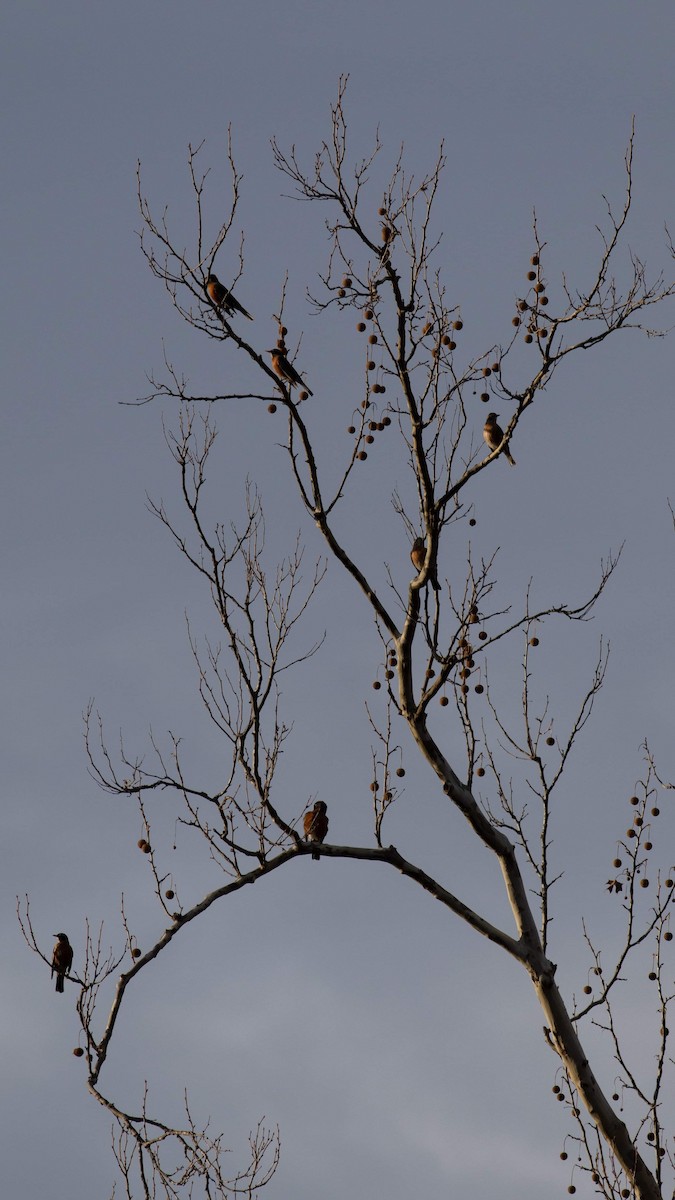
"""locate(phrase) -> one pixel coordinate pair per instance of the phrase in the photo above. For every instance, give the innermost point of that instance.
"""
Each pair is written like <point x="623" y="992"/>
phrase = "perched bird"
<point x="417" y="557"/>
<point x="316" y="825"/>
<point x="62" y="959"/>
<point x="494" y="436"/>
<point x="285" y="370"/>
<point x="224" y="299"/>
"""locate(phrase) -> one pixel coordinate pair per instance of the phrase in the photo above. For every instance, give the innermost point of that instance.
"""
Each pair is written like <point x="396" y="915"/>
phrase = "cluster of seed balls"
<point x="465" y="658"/>
<point x="392" y="663"/>
<point x="625" y="1192"/>
<point x="376" y="389"/>
<point x="534" y="328"/>
<point x="615" y="885"/>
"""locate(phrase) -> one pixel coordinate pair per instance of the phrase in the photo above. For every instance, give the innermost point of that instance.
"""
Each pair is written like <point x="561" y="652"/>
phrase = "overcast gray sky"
<point x="399" y="1054"/>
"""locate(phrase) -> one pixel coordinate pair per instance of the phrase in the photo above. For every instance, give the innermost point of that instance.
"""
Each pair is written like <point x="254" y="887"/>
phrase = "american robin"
<point x="417" y="557"/>
<point x="316" y="825"/>
<point x="285" y="370"/>
<point x="224" y="299"/>
<point x="494" y="436"/>
<point x="62" y="959"/>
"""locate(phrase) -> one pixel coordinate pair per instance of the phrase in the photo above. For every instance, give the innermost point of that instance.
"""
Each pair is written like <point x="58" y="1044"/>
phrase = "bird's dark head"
<point x="492" y="416"/>
<point x="275" y="352"/>
<point x="211" y="279"/>
<point x="62" y="937"/>
<point x="321" y="806"/>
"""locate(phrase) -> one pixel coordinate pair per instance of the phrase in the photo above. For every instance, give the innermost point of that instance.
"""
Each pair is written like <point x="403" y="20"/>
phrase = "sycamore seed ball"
<point x="78" y="1052"/>
<point x="136" y="953"/>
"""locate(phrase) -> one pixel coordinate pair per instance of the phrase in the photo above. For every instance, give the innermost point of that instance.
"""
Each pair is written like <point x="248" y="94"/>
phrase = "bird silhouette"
<point x="224" y="299"/>
<point x="417" y="557"/>
<point x="316" y="825"/>
<point x="494" y="436"/>
<point x="286" y="370"/>
<point x="62" y="959"/>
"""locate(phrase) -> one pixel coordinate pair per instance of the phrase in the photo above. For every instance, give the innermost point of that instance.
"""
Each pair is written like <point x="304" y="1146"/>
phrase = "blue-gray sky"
<point x="398" y="1053"/>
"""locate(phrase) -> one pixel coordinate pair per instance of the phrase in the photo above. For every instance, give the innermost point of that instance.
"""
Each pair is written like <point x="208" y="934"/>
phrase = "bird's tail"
<point x="59" y="983"/>
<point x="315" y="855"/>
<point x="508" y="454"/>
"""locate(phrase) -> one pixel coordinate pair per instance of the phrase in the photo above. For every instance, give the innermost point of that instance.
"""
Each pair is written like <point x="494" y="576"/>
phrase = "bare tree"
<point x="436" y="637"/>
